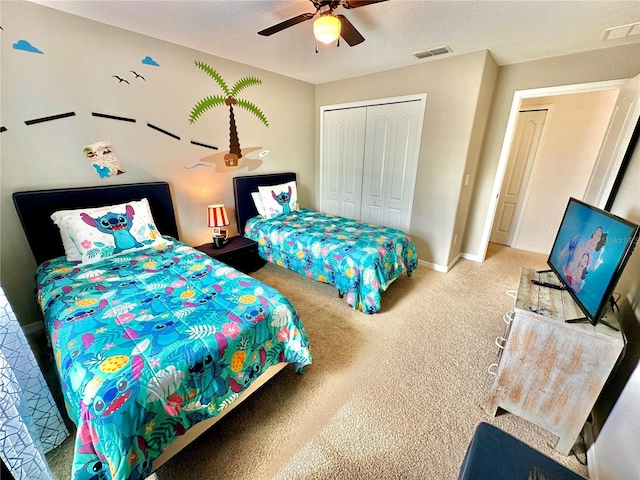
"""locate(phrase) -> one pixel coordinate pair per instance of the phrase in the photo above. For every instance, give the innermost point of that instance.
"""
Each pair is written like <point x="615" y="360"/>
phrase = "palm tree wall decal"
<point x="229" y="99"/>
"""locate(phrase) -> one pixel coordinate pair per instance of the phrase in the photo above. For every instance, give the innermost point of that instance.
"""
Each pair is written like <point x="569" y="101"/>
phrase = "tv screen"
<point x="589" y="254"/>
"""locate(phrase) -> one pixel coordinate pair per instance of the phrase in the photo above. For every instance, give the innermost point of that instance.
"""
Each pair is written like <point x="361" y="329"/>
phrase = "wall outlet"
<point x="466" y="179"/>
<point x="455" y="239"/>
<point x="543" y="227"/>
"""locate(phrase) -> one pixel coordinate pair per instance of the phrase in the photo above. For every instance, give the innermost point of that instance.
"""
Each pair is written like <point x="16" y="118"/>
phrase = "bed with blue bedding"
<point x="360" y="259"/>
<point x="151" y="343"/>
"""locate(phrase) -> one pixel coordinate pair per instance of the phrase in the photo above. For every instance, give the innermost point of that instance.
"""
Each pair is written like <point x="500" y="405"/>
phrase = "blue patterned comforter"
<point x="150" y="343"/>
<point x="359" y="259"/>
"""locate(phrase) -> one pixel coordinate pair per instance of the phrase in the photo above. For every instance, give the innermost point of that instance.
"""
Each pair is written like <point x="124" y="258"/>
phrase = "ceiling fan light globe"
<point x="326" y="28"/>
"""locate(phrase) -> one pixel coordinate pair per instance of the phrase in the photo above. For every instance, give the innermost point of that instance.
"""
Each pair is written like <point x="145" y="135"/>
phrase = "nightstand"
<point x="239" y="253"/>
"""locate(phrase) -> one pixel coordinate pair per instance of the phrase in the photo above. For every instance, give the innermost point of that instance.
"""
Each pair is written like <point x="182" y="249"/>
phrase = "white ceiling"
<point x="513" y="31"/>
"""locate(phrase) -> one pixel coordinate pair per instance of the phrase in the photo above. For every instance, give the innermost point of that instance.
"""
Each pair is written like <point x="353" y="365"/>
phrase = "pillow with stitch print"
<point x="104" y="232"/>
<point x="279" y="199"/>
<point x="70" y="250"/>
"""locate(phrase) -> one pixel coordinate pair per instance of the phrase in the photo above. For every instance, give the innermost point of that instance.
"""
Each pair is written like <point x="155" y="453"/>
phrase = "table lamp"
<point x="217" y="217"/>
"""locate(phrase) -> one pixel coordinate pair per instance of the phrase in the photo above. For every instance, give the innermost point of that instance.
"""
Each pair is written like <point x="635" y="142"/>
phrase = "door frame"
<point x="518" y="96"/>
<point x="422" y="97"/>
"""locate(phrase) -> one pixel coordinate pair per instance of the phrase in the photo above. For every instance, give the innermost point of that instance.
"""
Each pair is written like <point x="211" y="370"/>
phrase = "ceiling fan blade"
<point x="359" y="3"/>
<point x="349" y="32"/>
<point x="286" y="24"/>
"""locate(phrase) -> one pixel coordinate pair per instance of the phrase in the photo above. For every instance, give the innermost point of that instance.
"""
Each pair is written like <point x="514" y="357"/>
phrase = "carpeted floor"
<point x="395" y="395"/>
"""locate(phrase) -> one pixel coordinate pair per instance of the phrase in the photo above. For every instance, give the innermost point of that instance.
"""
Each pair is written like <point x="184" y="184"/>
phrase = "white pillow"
<point x="104" y="232"/>
<point x="279" y="199"/>
<point x="257" y="201"/>
<point x="70" y="249"/>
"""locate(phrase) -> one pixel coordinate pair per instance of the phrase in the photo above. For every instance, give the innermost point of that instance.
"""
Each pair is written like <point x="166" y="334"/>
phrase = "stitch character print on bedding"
<point x="359" y="259"/>
<point x="150" y="342"/>
<point x="283" y="198"/>
<point x="118" y="225"/>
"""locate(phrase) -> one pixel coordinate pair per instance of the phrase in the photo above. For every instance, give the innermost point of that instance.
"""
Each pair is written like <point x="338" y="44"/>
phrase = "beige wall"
<point x="594" y="66"/>
<point x="464" y="93"/>
<point x="573" y="132"/>
<point x="483" y="109"/>
<point x="74" y="73"/>
<point x="456" y="89"/>
<point x="626" y="205"/>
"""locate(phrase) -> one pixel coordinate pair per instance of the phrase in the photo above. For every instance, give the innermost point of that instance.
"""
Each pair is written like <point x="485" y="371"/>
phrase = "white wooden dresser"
<point x="550" y="372"/>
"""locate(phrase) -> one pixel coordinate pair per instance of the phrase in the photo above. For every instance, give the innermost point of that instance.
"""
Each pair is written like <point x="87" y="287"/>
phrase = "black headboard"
<point x="35" y="209"/>
<point x="242" y="188"/>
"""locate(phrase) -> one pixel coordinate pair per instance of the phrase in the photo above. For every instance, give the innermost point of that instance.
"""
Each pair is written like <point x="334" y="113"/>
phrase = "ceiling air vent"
<point x="433" y="52"/>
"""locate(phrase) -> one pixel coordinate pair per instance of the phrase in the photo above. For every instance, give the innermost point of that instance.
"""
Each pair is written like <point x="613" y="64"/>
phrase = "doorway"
<point x="519" y="97"/>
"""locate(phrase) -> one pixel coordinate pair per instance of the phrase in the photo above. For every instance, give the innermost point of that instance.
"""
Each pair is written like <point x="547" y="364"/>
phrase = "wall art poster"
<point x="104" y="159"/>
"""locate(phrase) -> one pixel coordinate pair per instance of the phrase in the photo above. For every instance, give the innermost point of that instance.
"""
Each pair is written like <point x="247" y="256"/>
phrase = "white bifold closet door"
<point x="342" y="161"/>
<point x="369" y="162"/>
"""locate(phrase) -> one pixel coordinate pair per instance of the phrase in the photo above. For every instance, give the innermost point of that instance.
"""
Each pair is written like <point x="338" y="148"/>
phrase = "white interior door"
<point x="342" y="162"/>
<point x="625" y="116"/>
<point x="390" y="163"/>
<point x="521" y="158"/>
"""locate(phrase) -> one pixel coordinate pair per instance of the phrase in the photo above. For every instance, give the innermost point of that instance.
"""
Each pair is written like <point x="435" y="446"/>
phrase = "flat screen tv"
<point x="589" y="254"/>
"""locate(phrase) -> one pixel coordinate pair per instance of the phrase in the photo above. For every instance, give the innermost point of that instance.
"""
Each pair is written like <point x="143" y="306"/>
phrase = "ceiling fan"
<point x="328" y="26"/>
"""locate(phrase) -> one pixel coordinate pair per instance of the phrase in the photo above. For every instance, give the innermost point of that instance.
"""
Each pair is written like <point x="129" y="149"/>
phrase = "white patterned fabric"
<point x="30" y="423"/>
<point x="107" y="231"/>
<point x="279" y="199"/>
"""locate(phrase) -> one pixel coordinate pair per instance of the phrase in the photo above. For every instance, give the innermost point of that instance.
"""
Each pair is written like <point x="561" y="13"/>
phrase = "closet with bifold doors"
<point x="369" y="159"/>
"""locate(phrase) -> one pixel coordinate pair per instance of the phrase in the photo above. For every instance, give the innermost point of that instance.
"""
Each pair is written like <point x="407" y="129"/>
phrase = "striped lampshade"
<point x="217" y="216"/>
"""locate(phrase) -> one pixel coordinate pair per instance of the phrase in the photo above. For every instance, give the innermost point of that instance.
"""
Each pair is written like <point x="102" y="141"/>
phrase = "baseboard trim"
<point x="453" y="262"/>
<point x="435" y="266"/>
<point x="473" y="258"/>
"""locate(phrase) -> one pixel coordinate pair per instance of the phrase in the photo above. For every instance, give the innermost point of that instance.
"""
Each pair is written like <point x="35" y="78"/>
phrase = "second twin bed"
<point x="360" y="259"/>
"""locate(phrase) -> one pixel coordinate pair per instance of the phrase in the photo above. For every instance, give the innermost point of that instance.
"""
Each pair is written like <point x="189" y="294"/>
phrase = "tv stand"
<point x="585" y="319"/>
<point x="550" y="371"/>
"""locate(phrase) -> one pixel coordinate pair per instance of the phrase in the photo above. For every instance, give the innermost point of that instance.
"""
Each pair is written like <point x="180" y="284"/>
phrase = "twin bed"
<point x="154" y="341"/>
<point x="151" y="343"/>
<point x="359" y="259"/>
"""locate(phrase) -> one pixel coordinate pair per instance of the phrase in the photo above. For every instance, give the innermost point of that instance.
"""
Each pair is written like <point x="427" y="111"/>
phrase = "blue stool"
<point x="495" y="455"/>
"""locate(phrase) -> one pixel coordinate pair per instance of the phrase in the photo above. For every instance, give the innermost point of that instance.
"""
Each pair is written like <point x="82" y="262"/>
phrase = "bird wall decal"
<point x="137" y="75"/>
<point x="120" y="79"/>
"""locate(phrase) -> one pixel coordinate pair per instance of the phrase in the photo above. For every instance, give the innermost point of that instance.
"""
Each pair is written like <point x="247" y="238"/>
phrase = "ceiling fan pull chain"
<point x="316" y="47"/>
<point x="338" y="42"/>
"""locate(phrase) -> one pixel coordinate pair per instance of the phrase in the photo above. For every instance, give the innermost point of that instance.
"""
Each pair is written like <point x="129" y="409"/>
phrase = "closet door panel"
<point x="369" y="161"/>
<point x="333" y="137"/>
<point x="372" y="213"/>
<point x="353" y="154"/>
<point x="343" y="152"/>
<point x="376" y="156"/>
<point x="394" y="217"/>
<point x="403" y="150"/>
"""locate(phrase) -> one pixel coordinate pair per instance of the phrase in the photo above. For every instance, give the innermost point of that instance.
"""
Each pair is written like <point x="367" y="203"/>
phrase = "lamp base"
<point x="219" y="242"/>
